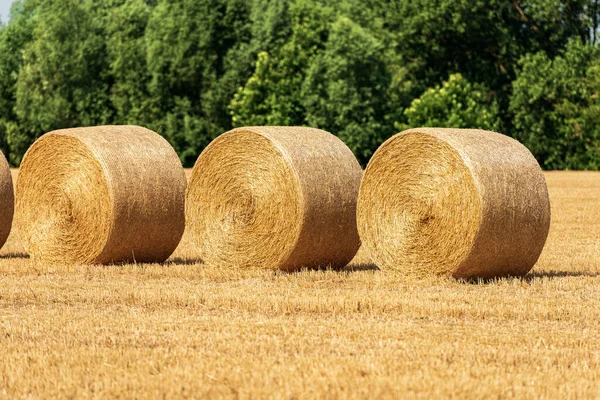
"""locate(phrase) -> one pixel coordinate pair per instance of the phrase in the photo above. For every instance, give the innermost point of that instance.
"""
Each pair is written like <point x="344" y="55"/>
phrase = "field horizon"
<point x="186" y="329"/>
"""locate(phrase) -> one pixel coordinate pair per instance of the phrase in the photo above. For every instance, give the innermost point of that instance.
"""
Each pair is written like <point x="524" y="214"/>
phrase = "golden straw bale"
<point x="275" y="197"/>
<point x="7" y="200"/>
<point x="464" y="202"/>
<point x="105" y="194"/>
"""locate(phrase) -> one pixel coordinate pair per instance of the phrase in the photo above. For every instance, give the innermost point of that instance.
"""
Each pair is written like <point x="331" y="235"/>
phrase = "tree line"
<point x="361" y="69"/>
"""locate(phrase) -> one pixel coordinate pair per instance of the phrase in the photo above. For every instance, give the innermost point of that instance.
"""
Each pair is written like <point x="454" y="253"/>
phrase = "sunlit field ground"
<point x="183" y="329"/>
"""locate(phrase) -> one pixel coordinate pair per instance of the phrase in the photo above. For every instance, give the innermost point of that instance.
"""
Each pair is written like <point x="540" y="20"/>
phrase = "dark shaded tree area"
<point x="361" y="69"/>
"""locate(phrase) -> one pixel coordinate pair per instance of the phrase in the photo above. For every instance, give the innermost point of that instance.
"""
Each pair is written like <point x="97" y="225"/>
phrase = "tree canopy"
<point x="361" y="69"/>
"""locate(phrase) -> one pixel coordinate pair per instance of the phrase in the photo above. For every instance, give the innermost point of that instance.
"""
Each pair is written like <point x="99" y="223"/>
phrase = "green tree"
<point x="190" y="45"/>
<point x="456" y="103"/>
<point x="192" y="69"/>
<point x="482" y="40"/>
<point x="253" y="104"/>
<point x="125" y="22"/>
<point x="62" y="81"/>
<point x="13" y="38"/>
<point x="556" y="107"/>
<point x="273" y="94"/>
<point x="346" y="89"/>
<point x="550" y="24"/>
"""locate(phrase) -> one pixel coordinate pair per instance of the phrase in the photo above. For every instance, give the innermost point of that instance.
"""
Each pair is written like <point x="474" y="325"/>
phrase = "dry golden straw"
<point x="469" y="203"/>
<point x="275" y="197"/>
<point x="7" y="200"/>
<point x="106" y="194"/>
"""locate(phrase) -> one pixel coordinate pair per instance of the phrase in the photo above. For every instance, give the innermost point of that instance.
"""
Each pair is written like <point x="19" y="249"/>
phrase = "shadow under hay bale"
<point x="531" y="277"/>
<point x="14" y="255"/>
<point x="360" y="267"/>
<point x="184" y="261"/>
<point x="560" y="274"/>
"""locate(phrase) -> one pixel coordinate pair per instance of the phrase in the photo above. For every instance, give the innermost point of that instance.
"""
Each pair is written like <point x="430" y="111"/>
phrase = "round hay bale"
<point x="7" y="200"/>
<point x="275" y="197"/>
<point x="106" y="194"/>
<point x="464" y="202"/>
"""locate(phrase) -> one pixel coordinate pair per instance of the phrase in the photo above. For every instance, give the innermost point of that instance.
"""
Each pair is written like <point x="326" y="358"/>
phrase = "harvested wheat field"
<point x="186" y="330"/>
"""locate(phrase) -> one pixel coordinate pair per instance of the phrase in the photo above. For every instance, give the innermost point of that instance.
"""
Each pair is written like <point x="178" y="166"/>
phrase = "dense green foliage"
<point x="556" y="107"/>
<point x="455" y="104"/>
<point x="362" y="69"/>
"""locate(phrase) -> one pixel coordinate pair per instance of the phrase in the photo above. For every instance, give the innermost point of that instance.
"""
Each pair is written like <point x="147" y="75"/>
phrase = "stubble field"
<point x="184" y="329"/>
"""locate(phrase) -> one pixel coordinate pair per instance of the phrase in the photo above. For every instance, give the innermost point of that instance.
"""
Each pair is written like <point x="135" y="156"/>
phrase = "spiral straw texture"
<point x="275" y="197"/>
<point x="469" y="203"/>
<point x="7" y="200"/>
<point x="104" y="194"/>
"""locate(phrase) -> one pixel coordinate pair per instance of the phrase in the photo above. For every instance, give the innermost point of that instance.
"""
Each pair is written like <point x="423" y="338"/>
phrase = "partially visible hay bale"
<point x="7" y="200"/>
<point x="275" y="197"/>
<point x="469" y="203"/>
<point x="104" y="194"/>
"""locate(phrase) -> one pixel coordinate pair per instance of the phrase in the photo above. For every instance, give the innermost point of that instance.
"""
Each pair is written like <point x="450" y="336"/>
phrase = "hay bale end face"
<point x="7" y="201"/>
<point x="106" y="194"/>
<point x="468" y="203"/>
<point x="275" y="197"/>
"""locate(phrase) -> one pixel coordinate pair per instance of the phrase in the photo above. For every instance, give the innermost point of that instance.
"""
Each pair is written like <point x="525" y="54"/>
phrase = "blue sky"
<point x="5" y="9"/>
